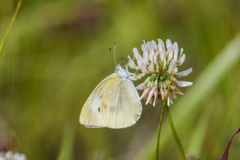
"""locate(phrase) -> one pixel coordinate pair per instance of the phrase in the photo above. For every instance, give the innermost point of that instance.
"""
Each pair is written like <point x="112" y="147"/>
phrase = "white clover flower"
<point x="10" y="156"/>
<point x="158" y="63"/>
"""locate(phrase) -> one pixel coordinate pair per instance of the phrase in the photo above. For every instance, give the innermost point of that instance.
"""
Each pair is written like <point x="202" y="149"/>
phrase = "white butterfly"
<point x="114" y="103"/>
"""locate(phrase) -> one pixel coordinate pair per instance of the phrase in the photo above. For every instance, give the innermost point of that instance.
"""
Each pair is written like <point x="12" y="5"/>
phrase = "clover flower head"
<point x="12" y="156"/>
<point x="158" y="62"/>
<point x="191" y="157"/>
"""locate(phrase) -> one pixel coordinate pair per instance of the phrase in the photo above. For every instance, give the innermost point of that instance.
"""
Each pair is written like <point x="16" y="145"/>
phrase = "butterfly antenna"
<point x="112" y="55"/>
<point x="125" y="60"/>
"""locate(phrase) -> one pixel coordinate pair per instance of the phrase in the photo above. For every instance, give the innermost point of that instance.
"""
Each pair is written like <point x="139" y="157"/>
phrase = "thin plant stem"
<point x="9" y="27"/>
<point x="159" y="130"/>
<point x="161" y="117"/>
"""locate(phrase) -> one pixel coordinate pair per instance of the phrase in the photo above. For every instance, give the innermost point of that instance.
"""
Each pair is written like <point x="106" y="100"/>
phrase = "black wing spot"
<point x="98" y="109"/>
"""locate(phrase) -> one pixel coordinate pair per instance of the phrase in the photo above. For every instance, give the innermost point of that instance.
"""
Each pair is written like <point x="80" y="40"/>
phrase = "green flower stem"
<point x="175" y="134"/>
<point x="161" y="117"/>
<point x="159" y="129"/>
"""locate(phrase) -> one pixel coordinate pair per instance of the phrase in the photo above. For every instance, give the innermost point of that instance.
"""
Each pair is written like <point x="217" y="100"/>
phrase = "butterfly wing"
<point x="120" y="106"/>
<point x="89" y="115"/>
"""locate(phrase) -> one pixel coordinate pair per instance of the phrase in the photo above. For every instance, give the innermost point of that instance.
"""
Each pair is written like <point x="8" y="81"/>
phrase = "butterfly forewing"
<point x="90" y="114"/>
<point x="120" y="106"/>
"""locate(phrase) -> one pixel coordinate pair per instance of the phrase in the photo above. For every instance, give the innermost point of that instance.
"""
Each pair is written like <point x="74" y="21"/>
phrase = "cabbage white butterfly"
<point x="114" y="103"/>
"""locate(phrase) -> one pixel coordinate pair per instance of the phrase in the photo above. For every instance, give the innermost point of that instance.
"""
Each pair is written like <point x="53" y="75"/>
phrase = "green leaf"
<point x="226" y="152"/>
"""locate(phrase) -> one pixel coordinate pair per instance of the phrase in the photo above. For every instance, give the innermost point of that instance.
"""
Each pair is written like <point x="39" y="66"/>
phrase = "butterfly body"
<point x="114" y="103"/>
<point x="121" y="72"/>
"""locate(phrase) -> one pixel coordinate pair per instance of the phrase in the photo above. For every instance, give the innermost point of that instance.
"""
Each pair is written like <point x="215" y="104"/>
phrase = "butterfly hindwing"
<point x="120" y="105"/>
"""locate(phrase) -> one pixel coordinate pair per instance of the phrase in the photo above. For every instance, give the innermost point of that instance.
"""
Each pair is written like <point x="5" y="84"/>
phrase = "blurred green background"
<point x="57" y="52"/>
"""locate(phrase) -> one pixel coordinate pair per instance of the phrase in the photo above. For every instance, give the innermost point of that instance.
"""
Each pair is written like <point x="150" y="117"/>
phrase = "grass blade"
<point x="67" y="141"/>
<point x="9" y="27"/>
<point x="180" y="148"/>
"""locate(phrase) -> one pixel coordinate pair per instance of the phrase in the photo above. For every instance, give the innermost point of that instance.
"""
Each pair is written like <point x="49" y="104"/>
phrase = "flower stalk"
<point x="170" y="123"/>
<point x="161" y="117"/>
